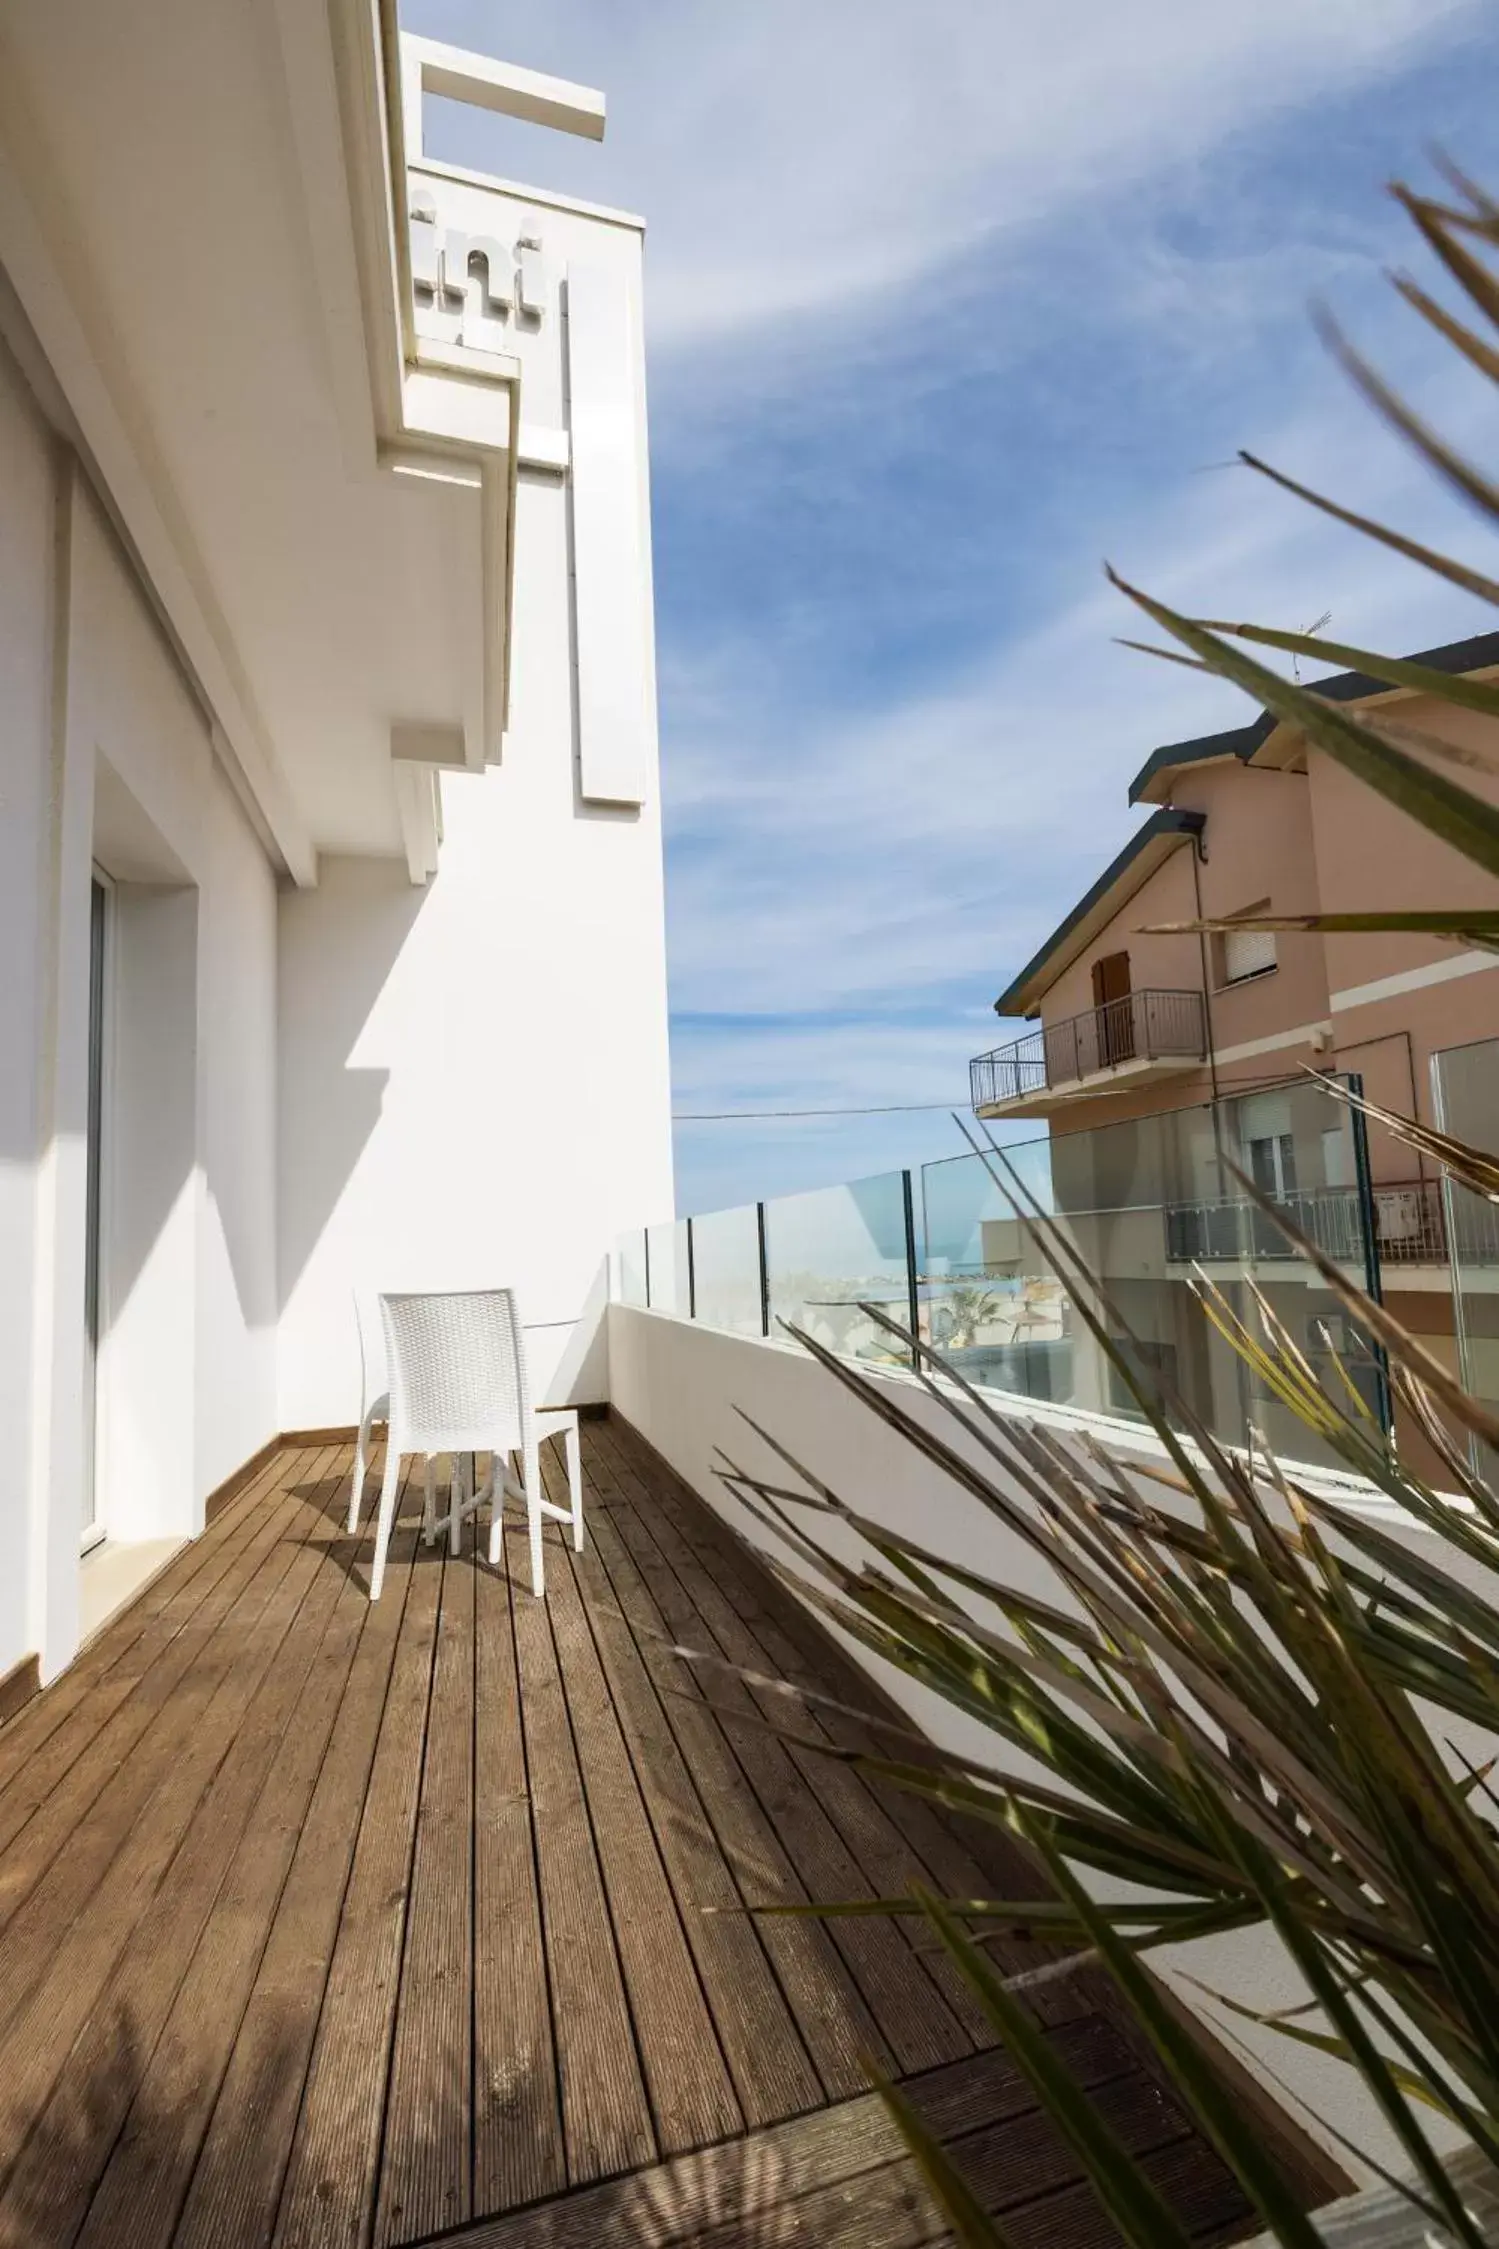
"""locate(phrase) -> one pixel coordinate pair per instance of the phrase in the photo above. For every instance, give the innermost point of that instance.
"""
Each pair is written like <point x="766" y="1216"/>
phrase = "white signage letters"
<point x="475" y="279"/>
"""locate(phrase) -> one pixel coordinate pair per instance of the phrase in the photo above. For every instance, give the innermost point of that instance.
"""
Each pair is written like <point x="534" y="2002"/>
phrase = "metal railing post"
<point x="1369" y="1221"/>
<point x="764" y="1271"/>
<point x="913" y="1292"/>
<point x="691" y="1275"/>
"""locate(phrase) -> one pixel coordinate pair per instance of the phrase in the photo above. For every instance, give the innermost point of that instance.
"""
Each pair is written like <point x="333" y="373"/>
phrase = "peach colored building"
<point x="1134" y="1025"/>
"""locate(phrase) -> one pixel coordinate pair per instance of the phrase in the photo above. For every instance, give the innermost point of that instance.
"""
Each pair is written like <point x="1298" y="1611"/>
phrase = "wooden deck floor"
<point x="324" y="1923"/>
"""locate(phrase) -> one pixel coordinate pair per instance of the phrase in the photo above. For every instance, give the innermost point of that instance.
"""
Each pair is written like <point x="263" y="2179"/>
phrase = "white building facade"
<point x="330" y="856"/>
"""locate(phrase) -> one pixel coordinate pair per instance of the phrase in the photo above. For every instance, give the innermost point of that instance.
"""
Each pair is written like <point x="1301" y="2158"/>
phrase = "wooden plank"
<point x="1203" y="2193"/>
<point x="772" y="2072"/>
<point x="519" y="2153"/>
<point x="835" y="2024"/>
<point x="46" y="1804"/>
<point x="237" y="2181"/>
<point x="331" y="2180"/>
<point x="675" y="2201"/>
<point x="49" y="2189"/>
<point x="1010" y="2164"/>
<point x="924" y="1846"/>
<point x="426" y="2175"/>
<point x="692" y="2096"/>
<point x="59" y="1971"/>
<point x="149" y="2172"/>
<point x="89" y="1685"/>
<point x="606" y="2116"/>
<point x="875" y="1841"/>
<point x="101" y="1840"/>
<point x="1012" y="2161"/>
<point x="897" y="1838"/>
<point x="903" y="1995"/>
<point x="1007" y="1869"/>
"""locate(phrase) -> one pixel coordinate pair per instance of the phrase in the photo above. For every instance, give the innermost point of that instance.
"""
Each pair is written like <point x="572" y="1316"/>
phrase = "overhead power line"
<point x="745" y="1116"/>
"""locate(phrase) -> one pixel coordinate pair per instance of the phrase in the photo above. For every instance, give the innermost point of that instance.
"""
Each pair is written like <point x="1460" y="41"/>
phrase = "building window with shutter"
<point x="1245" y="953"/>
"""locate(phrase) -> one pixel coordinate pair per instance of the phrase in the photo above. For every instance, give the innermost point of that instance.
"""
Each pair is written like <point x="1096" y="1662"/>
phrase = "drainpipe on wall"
<point x="1199" y="853"/>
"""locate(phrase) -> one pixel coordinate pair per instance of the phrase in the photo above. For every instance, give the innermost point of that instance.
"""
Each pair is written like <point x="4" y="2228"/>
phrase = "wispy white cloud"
<point x="945" y="303"/>
<point x="792" y="158"/>
<point x="903" y="852"/>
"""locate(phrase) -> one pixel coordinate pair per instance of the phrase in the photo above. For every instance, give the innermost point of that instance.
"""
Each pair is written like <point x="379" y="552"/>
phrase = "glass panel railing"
<point x="726" y="1268"/>
<point x="668" y="1269"/>
<point x="1466" y="1081"/>
<point x="1303" y="1148"/>
<point x="990" y="1301"/>
<point x="661" y="1269"/>
<point x="1150" y="1206"/>
<point x="833" y="1250"/>
<point x="630" y="1268"/>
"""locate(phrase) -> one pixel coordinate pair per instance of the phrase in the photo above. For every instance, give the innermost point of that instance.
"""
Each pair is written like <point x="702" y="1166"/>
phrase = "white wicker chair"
<point x="457" y="1368"/>
<point x="374" y="1401"/>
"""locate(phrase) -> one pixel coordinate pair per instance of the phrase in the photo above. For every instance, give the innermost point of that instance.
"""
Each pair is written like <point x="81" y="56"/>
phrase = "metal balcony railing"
<point x="1409" y="1220"/>
<point x="1144" y="1026"/>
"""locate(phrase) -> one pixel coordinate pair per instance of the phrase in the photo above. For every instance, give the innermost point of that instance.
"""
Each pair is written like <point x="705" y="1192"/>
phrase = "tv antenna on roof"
<point x="1324" y="619"/>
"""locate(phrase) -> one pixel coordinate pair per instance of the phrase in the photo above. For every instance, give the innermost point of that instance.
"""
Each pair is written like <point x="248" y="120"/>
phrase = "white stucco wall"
<point x="26" y="534"/>
<point x="473" y="1077"/>
<point x="680" y="1384"/>
<point x="106" y="756"/>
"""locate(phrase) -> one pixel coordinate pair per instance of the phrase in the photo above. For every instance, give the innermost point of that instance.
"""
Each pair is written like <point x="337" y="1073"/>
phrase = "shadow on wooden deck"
<point x="331" y="1923"/>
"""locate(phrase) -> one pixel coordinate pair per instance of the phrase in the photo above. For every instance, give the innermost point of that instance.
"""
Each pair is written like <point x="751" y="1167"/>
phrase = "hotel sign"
<point x="474" y="289"/>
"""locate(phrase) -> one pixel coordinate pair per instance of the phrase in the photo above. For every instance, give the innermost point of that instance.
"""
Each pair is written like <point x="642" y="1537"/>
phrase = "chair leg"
<point x="496" y="1507"/>
<point x="429" y="1500"/>
<point x="457" y="1498"/>
<point x="386" y="1517"/>
<point x="532" y="1468"/>
<point x="361" y="1464"/>
<point x="356" y="1487"/>
<point x="575" y="1482"/>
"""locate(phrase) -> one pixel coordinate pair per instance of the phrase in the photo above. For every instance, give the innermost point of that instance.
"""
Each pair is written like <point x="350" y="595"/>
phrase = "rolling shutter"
<point x="1247" y="952"/>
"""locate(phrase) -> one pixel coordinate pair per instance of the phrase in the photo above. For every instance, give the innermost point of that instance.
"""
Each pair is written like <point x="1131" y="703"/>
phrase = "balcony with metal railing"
<point x="1413" y="1228"/>
<point x="1146" y="1034"/>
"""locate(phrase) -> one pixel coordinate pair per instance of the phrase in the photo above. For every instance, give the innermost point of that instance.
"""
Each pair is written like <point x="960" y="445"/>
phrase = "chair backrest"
<point x="457" y="1371"/>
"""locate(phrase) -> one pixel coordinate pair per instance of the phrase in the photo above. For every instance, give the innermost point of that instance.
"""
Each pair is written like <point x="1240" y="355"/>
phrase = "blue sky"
<point x="944" y="304"/>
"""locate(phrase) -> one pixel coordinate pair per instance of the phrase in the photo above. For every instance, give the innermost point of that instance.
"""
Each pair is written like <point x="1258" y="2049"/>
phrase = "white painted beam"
<point x="430" y="67"/>
<point x="608" y="503"/>
<point x="419" y="806"/>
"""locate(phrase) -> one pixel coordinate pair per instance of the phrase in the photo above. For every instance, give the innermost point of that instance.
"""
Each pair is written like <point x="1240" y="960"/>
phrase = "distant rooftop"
<point x="1165" y="828"/>
<point x="1476" y="654"/>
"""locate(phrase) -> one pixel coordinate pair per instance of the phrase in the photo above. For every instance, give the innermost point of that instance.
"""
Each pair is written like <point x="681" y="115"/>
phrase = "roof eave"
<point x="1131" y="867"/>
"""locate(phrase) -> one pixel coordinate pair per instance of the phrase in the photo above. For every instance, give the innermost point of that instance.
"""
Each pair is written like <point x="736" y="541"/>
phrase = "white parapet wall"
<point x="687" y="1389"/>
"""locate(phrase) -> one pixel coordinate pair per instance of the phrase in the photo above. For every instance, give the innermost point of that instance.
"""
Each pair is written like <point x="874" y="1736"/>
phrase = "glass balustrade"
<point x="987" y="1256"/>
